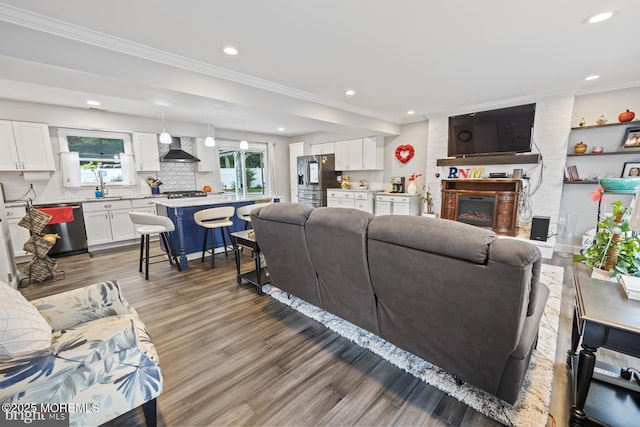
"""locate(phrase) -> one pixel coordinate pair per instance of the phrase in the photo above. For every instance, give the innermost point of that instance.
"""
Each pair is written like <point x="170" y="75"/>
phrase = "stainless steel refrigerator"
<point x="315" y="175"/>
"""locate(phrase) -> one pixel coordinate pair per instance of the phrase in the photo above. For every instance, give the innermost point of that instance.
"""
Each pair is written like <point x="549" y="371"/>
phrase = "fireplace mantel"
<point x="502" y="194"/>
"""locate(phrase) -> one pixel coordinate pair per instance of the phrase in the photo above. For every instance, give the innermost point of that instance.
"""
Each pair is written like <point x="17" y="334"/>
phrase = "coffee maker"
<point x="397" y="184"/>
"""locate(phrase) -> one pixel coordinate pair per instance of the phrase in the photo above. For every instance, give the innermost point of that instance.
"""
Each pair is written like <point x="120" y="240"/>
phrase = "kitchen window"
<point x="100" y="154"/>
<point x="243" y="172"/>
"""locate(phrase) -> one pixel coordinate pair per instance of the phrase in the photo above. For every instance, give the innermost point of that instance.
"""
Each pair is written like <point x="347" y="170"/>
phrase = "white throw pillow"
<point x="22" y="327"/>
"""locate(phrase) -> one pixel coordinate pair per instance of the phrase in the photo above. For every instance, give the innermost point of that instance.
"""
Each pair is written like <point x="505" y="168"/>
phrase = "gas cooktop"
<point x="184" y="193"/>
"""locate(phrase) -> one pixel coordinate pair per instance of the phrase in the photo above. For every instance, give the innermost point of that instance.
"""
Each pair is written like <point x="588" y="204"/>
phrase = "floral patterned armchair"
<point x="100" y="357"/>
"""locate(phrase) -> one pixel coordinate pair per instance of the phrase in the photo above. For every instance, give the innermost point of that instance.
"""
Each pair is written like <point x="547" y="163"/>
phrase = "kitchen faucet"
<point x="103" y="187"/>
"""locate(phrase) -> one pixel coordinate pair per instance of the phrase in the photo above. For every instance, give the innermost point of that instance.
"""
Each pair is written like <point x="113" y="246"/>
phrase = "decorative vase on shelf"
<point x="411" y="188"/>
<point x="626" y="116"/>
<point x="602" y="120"/>
<point x="580" y="148"/>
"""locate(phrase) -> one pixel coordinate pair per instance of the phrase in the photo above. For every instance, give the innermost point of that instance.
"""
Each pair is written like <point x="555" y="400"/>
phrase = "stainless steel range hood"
<point x="176" y="154"/>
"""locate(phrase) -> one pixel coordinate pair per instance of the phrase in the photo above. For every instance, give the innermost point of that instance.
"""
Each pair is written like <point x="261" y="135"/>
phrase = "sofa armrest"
<point x="68" y="309"/>
<point x="520" y="254"/>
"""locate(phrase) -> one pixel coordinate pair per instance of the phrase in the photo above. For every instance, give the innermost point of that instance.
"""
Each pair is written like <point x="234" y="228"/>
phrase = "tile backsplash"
<point x="177" y="176"/>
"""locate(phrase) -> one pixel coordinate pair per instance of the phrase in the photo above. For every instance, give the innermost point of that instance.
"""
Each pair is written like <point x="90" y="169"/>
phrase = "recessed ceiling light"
<point x="281" y="129"/>
<point x="592" y="77"/>
<point x="598" y="17"/>
<point x="94" y="103"/>
<point x="350" y="92"/>
<point x="230" y="50"/>
<point x="411" y="112"/>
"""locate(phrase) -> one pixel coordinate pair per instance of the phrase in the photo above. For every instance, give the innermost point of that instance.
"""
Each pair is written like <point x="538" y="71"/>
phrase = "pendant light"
<point x="244" y="145"/>
<point x="165" y="138"/>
<point x="209" y="141"/>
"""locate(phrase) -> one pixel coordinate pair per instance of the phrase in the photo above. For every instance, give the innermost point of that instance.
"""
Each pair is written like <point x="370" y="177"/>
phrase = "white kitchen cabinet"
<point x="373" y="153"/>
<point x="19" y="235"/>
<point x="360" y="154"/>
<point x="348" y="155"/>
<point x="146" y="205"/>
<point x="325" y="148"/>
<point x="295" y="150"/>
<point x="108" y="221"/>
<point x="208" y="156"/>
<point x="397" y="205"/>
<point x="25" y="146"/>
<point x="146" y="152"/>
<point x="363" y="200"/>
<point x="340" y="199"/>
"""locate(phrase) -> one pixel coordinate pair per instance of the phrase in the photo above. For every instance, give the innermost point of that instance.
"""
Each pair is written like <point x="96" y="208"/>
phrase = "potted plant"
<point x="427" y="198"/>
<point x="615" y="248"/>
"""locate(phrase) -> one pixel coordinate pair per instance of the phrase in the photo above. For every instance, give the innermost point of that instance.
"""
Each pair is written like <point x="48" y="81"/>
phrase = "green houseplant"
<point x="615" y="248"/>
<point x="427" y="198"/>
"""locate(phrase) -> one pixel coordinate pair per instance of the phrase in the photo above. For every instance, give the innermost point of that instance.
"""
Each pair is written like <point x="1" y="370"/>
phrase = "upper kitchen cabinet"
<point x="360" y="154"/>
<point x="27" y="147"/>
<point x="320" y="149"/>
<point x="207" y="155"/>
<point x="145" y="151"/>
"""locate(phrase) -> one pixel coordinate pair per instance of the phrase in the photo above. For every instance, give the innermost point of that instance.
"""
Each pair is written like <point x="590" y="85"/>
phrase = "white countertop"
<point x="210" y="200"/>
<point x="387" y="193"/>
<point x="363" y="190"/>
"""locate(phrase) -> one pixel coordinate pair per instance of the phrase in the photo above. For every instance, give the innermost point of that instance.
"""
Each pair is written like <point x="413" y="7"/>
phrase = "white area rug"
<point x="532" y="406"/>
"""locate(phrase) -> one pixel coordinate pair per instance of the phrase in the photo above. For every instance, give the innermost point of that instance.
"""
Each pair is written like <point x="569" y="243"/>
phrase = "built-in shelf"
<point x="489" y="160"/>
<point x="607" y="153"/>
<point x="635" y="122"/>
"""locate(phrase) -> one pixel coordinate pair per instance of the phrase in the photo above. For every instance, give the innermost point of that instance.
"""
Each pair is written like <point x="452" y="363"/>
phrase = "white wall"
<point x="551" y="130"/>
<point x="15" y="185"/>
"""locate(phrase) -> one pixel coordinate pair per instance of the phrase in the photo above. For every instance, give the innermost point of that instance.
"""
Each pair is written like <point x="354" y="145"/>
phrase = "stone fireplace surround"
<point x="489" y="203"/>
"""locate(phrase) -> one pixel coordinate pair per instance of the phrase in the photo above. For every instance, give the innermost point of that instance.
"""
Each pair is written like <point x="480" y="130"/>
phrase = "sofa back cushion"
<point x="443" y="237"/>
<point x="337" y="239"/>
<point x="22" y="328"/>
<point x="429" y="271"/>
<point x="280" y="232"/>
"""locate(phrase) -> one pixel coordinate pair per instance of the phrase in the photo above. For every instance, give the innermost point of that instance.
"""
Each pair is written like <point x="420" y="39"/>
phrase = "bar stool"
<point x="244" y="212"/>
<point x="147" y="224"/>
<point x="211" y="219"/>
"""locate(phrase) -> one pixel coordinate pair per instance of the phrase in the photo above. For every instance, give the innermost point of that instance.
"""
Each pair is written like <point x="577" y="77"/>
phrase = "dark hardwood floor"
<point x="231" y="357"/>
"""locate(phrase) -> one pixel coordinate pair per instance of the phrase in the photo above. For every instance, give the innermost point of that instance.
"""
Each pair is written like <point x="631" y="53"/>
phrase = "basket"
<point x="37" y="245"/>
<point x="40" y="269"/>
<point x="34" y="220"/>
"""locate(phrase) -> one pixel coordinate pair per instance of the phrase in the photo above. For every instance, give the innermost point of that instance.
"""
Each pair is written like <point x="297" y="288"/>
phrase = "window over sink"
<point x="101" y="153"/>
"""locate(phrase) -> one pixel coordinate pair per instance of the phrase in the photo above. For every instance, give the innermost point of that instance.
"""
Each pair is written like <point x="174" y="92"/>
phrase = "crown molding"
<point x="84" y="35"/>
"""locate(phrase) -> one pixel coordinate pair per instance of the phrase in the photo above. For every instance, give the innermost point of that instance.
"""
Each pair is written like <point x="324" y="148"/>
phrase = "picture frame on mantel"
<point x="631" y="139"/>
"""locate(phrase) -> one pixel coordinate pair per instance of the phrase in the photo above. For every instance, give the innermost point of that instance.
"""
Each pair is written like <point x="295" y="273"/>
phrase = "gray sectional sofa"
<point x="451" y="293"/>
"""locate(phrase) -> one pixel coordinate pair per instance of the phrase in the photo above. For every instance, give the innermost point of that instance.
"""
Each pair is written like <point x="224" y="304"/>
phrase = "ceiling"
<point x="297" y="58"/>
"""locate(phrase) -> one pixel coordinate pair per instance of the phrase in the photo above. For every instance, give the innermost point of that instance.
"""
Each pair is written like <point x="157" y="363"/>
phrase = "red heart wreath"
<point x="404" y="153"/>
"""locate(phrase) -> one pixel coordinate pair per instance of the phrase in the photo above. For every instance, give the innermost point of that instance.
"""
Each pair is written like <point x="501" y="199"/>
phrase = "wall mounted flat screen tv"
<point x="502" y="131"/>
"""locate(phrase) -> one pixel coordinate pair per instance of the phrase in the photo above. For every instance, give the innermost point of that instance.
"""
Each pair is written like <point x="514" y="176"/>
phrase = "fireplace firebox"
<point x="476" y="210"/>
<point x="490" y="203"/>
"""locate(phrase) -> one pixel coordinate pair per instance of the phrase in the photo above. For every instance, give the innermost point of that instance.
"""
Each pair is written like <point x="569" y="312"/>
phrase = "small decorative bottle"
<point x="602" y="120"/>
<point x="98" y="193"/>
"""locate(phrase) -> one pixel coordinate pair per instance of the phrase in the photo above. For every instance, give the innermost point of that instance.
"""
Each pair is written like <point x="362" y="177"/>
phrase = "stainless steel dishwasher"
<point x="73" y="236"/>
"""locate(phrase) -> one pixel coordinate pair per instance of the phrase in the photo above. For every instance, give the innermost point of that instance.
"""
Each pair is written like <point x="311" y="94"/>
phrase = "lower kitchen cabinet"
<point x="397" y="204"/>
<point x="361" y="200"/>
<point x="108" y="221"/>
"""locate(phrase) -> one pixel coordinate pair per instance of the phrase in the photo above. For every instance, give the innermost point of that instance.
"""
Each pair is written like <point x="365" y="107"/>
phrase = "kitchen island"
<point x="188" y="236"/>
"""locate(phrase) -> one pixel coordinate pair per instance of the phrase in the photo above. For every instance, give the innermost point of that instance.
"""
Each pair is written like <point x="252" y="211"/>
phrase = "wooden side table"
<point x="603" y="317"/>
<point x="259" y="276"/>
